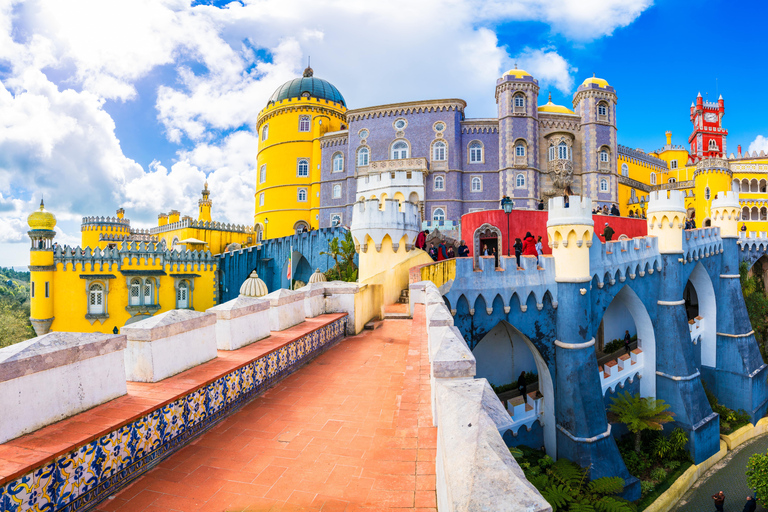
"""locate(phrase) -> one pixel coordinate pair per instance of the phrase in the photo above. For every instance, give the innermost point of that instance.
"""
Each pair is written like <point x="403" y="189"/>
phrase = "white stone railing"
<point x="617" y="372"/>
<point x="524" y="413"/>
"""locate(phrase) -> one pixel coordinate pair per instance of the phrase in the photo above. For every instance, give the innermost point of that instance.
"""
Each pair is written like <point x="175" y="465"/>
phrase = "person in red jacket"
<point x="529" y="245"/>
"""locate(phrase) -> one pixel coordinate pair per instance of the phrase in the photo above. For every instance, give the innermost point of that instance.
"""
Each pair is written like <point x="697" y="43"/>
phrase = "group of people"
<point x="719" y="500"/>
<point x="613" y="210"/>
<point x="690" y="223"/>
<point x="640" y="214"/>
<point x="443" y="251"/>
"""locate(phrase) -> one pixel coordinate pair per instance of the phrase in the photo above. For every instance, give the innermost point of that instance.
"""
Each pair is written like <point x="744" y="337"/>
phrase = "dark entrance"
<point x="691" y="301"/>
<point x="490" y="241"/>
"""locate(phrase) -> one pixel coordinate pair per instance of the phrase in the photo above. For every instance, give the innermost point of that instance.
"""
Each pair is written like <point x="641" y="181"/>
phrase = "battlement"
<point x="105" y="221"/>
<point x="728" y="199"/>
<point x="396" y="219"/>
<point x="136" y="252"/>
<point x="713" y="163"/>
<point x="188" y="222"/>
<point x="622" y="259"/>
<point x="389" y="179"/>
<point x="137" y="236"/>
<point x="666" y="201"/>
<point x="579" y="211"/>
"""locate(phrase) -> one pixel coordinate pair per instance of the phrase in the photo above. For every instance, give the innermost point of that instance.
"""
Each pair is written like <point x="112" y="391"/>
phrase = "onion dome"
<point x="42" y="219"/>
<point x="307" y="87"/>
<point x="253" y="286"/>
<point x="554" y="109"/>
<point x="597" y="81"/>
<point x="517" y="73"/>
<point x="317" y="277"/>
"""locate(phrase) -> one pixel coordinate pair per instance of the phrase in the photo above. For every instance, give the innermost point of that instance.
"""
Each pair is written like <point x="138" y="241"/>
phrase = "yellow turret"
<point x="669" y="137"/>
<point x="41" y="224"/>
<point x="570" y="229"/>
<point x="666" y="220"/>
<point x="726" y="212"/>
<point x="205" y="205"/>
<point x="711" y="175"/>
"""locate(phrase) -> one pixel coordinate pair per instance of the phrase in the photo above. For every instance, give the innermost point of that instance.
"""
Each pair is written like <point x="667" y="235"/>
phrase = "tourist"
<point x="518" y="251"/>
<point x="567" y="195"/>
<point x="506" y="200"/>
<point x="485" y="250"/>
<point x="541" y="204"/>
<point x="631" y="214"/>
<point x="615" y="211"/>
<point x="750" y="505"/>
<point x="719" y="499"/>
<point x="432" y="251"/>
<point x="521" y="387"/>
<point x="743" y="227"/>
<point x="687" y="223"/>
<point x="463" y="249"/>
<point x="539" y="251"/>
<point x="627" y="341"/>
<point x="608" y="232"/>
<point x="529" y="245"/>
<point x="693" y="222"/>
<point x="606" y="211"/>
<point x="441" y="254"/>
<point x="450" y="252"/>
<point x="421" y="239"/>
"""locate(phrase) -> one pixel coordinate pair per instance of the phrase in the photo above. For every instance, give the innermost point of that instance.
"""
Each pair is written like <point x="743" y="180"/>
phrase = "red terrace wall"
<point x="535" y="221"/>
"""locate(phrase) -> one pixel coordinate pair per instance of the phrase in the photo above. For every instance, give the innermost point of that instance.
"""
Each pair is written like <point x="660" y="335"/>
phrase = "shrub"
<point x="757" y="475"/>
<point x="530" y="378"/>
<point x="672" y="465"/>
<point x="658" y="474"/>
<point x="646" y="486"/>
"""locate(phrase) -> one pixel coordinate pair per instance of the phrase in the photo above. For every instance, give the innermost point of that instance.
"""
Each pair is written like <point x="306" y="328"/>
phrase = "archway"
<point x="701" y="307"/>
<point x="487" y="236"/>
<point x="300" y="270"/>
<point x="505" y="352"/>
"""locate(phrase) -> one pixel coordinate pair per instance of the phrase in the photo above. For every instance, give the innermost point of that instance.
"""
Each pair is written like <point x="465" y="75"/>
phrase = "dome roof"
<point x="317" y="277"/>
<point x="253" y="286"/>
<point x="554" y="109"/>
<point x="597" y="81"/>
<point x="41" y="219"/>
<point x="309" y="86"/>
<point x="517" y="73"/>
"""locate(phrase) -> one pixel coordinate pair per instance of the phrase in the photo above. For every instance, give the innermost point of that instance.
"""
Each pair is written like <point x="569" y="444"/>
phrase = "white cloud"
<point x="548" y="67"/>
<point x="759" y="144"/>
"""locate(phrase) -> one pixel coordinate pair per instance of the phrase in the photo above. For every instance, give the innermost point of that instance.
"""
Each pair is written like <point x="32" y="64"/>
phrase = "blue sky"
<point x="137" y="103"/>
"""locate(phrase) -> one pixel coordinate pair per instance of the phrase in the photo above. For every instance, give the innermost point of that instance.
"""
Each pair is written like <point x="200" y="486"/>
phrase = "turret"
<point x="173" y="216"/>
<point x="41" y="267"/>
<point x="121" y="213"/>
<point x="726" y="212"/>
<point x="570" y="229"/>
<point x="162" y="219"/>
<point x="205" y="205"/>
<point x="669" y="137"/>
<point x="666" y="220"/>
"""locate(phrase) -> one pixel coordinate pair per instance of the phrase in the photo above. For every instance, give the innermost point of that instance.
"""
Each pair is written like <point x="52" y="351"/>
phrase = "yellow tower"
<point x="96" y="231"/>
<point x="41" y="224"/>
<point x="666" y="220"/>
<point x="726" y="212"/>
<point x="288" y="173"/>
<point x="711" y="176"/>
<point x="205" y="205"/>
<point x="570" y="231"/>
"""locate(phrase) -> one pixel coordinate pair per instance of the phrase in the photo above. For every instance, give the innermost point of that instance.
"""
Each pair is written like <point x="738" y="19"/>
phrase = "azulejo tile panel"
<point x="79" y="479"/>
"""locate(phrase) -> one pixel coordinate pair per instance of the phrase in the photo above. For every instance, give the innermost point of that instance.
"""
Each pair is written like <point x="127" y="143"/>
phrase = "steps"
<point x="398" y="311"/>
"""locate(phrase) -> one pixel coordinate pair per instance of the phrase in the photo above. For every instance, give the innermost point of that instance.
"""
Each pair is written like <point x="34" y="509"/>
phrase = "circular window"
<point x="363" y="134"/>
<point x="439" y="127"/>
<point x="305" y="94"/>
<point x="400" y="124"/>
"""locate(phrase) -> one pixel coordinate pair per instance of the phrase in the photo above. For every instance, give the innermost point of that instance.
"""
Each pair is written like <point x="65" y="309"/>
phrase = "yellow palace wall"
<point x="218" y="240"/>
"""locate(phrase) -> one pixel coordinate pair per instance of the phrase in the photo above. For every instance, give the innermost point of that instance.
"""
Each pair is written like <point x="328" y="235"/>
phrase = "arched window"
<point x="259" y="233"/>
<point x="712" y="145"/>
<point x="439" y="183"/>
<point x="264" y="132"/>
<point x="302" y="196"/>
<point x="602" y="112"/>
<point x="261" y="199"/>
<point x="755" y="213"/>
<point x="336" y="191"/>
<point x="604" y="155"/>
<point x="653" y="178"/>
<point x="134" y="298"/>
<point x="302" y="170"/>
<point x="338" y="162"/>
<point x="148" y="295"/>
<point x="438" y="151"/>
<point x="362" y="156"/>
<point x="475" y="152"/>
<point x="520" y="180"/>
<point x="633" y="194"/>
<point x="707" y="193"/>
<point x="603" y="185"/>
<point x="624" y="170"/>
<point x="552" y="153"/>
<point x="745" y="213"/>
<point x="519" y="103"/>
<point x="263" y="173"/>
<point x="438" y="214"/>
<point x="96" y="299"/>
<point x="672" y="180"/>
<point x="304" y="122"/>
<point x="763" y="213"/>
<point x="182" y="295"/>
<point x="477" y="184"/>
<point x="399" y="150"/>
<point x="520" y="149"/>
<point x="563" y="152"/>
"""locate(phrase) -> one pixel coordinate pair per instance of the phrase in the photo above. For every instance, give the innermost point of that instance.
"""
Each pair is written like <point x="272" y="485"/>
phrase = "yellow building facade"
<point x="297" y="115"/>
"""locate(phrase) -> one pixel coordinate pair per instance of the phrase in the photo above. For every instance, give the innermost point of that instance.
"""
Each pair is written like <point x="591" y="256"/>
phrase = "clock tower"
<point x="708" y="137"/>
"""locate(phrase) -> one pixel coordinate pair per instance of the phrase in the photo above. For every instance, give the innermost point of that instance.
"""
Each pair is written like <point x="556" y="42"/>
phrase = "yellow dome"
<point x="517" y="73"/>
<point x="597" y="81"/>
<point x="41" y="219"/>
<point x="554" y="109"/>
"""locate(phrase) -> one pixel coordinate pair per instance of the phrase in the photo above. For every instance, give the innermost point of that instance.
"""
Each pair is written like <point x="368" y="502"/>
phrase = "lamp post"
<point x="266" y="221"/>
<point x="507" y="207"/>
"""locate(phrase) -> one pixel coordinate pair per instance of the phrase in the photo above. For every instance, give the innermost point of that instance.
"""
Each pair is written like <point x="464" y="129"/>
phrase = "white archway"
<point x="707" y="303"/>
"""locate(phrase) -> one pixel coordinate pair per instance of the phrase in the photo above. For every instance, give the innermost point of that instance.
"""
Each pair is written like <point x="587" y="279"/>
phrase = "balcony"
<point x="403" y="164"/>
<point x="617" y="371"/>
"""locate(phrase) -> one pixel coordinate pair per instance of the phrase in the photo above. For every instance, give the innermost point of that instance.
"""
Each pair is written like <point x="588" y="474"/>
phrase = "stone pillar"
<point x="739" y="378"/>
<point x="678" y="381"/>
<point x="583" y="433"/>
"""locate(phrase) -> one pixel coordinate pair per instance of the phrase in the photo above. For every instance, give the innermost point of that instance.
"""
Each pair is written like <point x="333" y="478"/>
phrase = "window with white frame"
<point x="96" y="299"/>
<point x="261" y="199"/>
<point x="520" y="180"/>
<point x="603" y="185"/>
<point x="604" y="156"/>
<point x="653" y="178"/>
<point x="438" y="214"/>
<point x="399" y="150"/>
<point x="475" y="152"/>
<point x="302" y="170"/>
<point x="263" y="173"/>
<point x="362" y="156"/>
<point x="134" y="298"/>
<point x="477" y="184"/>
<point x="673" y="164"/>
<point x="563" y="151"/>
<point x="336" y="191"/>
<point x="602" y="112"/>
<point x="712" y="145"/>
<point x="338" y="162"/>
<point x="335" y="220"/>
<point x="304" y="122"/>
<point x="519" y="104"/>
<point x="438" y="151"/>
<point x="624" y="170"/>
<point x="302" y="195"/>
<point x="264" y="132"/>
<point x="520" y="149"/>
<point x="552" y="153"/>
<point x="633" y="194"/>
<point x="148" y="295"/>
<point x="439" y="183"/>
<point x="182" y="295"/>
<point x="707" y="194"/>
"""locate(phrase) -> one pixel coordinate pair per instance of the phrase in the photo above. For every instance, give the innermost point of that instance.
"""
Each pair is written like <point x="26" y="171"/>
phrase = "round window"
<point x="400" y="124"/>
<point x="439" y="127"/>
<point x="305" y="94"/>
<point x="363" y="134"/>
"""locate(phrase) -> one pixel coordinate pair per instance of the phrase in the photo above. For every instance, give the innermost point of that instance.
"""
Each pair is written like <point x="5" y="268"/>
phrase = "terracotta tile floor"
<point x="352" y="430"/>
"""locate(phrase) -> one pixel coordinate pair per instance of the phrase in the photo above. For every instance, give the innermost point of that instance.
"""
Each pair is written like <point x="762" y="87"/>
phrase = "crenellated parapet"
<point x="701" y="243"/>
<point x="131" y="253"/>
<point x="373" y="220"/>
<point x="212" y="225"/>
<point x="105" y="221"/>
<point x="726" y="213"/>
<point x="666" y="219"/>
<point x="569" y="230"/>
<point x="387" y="184"/>
<point x="624" y="259"/>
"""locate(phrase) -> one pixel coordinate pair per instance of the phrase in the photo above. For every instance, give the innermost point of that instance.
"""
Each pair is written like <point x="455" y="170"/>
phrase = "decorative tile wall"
<point x="80" y="479"/>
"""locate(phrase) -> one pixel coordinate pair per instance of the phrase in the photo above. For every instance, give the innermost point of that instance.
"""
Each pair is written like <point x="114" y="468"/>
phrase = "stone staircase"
<point x="398" y="311"/>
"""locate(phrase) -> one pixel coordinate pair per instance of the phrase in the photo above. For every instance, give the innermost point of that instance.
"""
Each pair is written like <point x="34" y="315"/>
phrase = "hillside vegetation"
<point x="14" y="307"/>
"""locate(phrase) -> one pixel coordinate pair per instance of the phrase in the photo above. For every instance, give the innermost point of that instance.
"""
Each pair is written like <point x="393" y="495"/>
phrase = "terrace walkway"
<point x="352" y="430"/>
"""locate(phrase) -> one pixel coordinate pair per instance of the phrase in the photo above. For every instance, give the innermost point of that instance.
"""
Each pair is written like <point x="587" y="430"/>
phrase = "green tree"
<point x="640" y="414"/>
<point x="753" y="289"/>
<point x="343" y="254"/>
<point x="757" y="476"/>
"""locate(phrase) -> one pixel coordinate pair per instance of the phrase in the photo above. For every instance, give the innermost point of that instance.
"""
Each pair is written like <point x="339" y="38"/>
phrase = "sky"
<point x="135" y="104"/>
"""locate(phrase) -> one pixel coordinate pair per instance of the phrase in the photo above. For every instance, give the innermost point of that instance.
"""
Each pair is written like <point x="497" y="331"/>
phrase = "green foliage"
<point x="530" y="378"/>
<point x="646" y="486"/>
<point x="615" y="345"/>
<point x="640" y="414"/>
<point x="671" y="465"/>
<point x="343" y="254"/>
<point x="658" y="474"/>
<point x="14" y="307"/>
<point x="753" y="289"/>
<point x="730" y="420"/>
<point x="757" y="476"/>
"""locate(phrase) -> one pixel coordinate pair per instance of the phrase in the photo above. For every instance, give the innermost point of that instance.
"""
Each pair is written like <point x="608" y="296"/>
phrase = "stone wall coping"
<point x="53" y="350"/>
<point x="283" y="296"/>
<point x="342" y="287"/>
<point x="475" y="469"/>
<point x="170" y="323"/>
<point x="238" y="307"/>
<point x="313" y="289"/>
<point x="440" y="317"/>
<point x="452" y="358"/>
